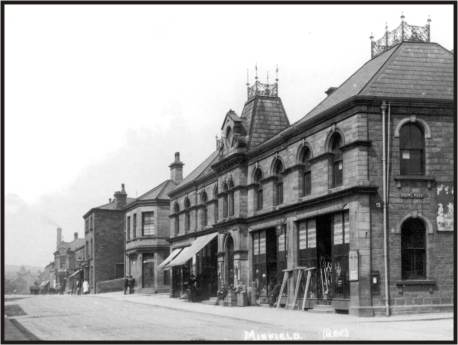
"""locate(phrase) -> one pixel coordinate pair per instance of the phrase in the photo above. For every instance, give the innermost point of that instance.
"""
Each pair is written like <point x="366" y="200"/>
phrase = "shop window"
<point x="148" y="223"/>
<point x="336" y="160"/>
<point x="258" y="192"/>
<point x="307" y="173"/>
<point x="307" y="234"/>
<point x="412" y="149"/>
<point x="278" y="172"/>
<point x="413" y="249"/>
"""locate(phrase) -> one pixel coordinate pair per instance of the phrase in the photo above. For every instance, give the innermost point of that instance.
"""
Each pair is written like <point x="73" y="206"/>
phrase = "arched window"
<point x="412" y="147"/>
<point x="413" y="249"/>
<point x="278" y="172"/>
<point x="225" y="204"/>
<point x="229" y="260"/>
<point x="203" y="198"/>
<point x="306" y="182"/>
<point x="216" y="209"/>
<point x="230" y="196"/>
<point x="187" y="219"/>
<point x="336" y="160"/>
<point x="176" y="210"/>
<point x="258" y="193"/>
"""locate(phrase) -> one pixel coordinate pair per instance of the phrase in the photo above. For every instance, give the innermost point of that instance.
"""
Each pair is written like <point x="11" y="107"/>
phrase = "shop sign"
<point x="445" y="208"/>
<point x="353" y="265"/>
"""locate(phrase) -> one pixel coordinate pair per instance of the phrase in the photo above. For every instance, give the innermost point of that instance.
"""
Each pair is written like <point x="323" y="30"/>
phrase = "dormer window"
<point x="229" y="137"/>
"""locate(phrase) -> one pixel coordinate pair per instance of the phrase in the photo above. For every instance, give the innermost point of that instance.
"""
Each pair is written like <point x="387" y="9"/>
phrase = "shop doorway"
<point x="229" y="261"/>
<point x="324" y="258"/>
<point x="207" y="270"/>
<point x="148" y="270"/>
<point x="266" y="264"/>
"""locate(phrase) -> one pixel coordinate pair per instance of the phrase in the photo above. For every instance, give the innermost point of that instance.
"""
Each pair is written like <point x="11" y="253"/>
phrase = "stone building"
<point x="147" y="231"/>
<point x="360" y="190"/>
<point x="104" y="240"/>
<point x="68" y="258"/>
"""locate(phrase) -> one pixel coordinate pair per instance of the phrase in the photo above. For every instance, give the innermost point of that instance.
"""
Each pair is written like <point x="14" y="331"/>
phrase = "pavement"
<point x="114" y="316"/>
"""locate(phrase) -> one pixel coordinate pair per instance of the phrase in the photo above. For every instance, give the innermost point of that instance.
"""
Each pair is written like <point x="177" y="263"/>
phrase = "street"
<point x="113" y="316"/>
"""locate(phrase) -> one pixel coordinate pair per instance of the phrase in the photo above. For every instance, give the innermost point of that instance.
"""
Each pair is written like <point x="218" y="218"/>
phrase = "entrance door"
<point x="324" y="257"/>
<point x="265" y="261"/>
<point x="148" y="271"/>
<point x="340" y="249"/>
<point x="229" y="261"/>
<point x="207" y="270"/>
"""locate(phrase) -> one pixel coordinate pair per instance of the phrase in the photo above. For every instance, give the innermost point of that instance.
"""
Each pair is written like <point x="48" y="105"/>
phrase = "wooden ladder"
<point x="286" y="274"/>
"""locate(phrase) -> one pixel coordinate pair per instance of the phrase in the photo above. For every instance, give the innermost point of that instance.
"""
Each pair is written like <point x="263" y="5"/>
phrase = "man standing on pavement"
<point x="126" y="284"/>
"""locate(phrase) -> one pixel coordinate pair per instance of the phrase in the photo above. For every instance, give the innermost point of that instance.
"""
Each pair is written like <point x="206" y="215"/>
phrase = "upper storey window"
<point x="176" y="210"/>
<point x="204" y="209"/>
<point x="187" y="219"/>
<point x="148" y="223"/>
<point x="336" y="160"/>
<point x="216" y="209"/>
<point x="278" y="172"/>
<point x="307" y="173"/>
<point x="412" y="149"/>
<point x="225" y="201"/>
<point x="258" y="192"/>
<point x="230" y="197"/>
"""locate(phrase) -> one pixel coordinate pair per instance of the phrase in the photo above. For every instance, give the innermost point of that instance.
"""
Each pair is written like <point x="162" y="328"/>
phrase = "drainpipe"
<point x="385" y="234"/>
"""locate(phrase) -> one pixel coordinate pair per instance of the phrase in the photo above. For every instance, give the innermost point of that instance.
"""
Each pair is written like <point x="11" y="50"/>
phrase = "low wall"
<point x="110" y="285"/>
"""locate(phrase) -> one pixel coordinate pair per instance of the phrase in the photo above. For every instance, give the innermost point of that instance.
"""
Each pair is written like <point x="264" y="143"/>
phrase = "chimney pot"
<point x="176" y="169"/>
<point x="59" y="237"/>
<point x="330" y="90"/>
<point x="75" y="235"/>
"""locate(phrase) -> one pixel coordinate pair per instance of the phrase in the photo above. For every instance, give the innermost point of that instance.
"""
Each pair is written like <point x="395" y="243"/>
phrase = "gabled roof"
<point x="159" y="192"/>
<point x="409" y="69"/>
<point x="202" y="170"/>
<point x="73" y="245"/>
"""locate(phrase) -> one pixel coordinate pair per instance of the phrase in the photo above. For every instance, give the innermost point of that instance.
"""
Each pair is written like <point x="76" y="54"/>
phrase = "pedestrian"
<point x="78" y="290"/>
<point x="131" y="284"/>
<point x="85" y="287"/>
<point x="126" y="284"/>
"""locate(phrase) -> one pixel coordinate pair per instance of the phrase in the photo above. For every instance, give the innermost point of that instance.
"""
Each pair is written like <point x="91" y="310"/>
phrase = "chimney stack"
<point x="176" y="169"/>
<point x="120" y="197"/>
<point x="59" y="237"/>
<point x="75" y="235"/>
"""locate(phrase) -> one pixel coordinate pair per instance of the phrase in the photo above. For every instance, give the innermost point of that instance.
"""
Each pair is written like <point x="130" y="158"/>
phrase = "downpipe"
<point x="385" y="211"/>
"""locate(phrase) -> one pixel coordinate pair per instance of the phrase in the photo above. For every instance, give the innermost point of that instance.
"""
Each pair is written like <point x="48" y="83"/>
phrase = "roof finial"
<point x="256" y="72"/>
<point x="429" y="18"/>
<point x="386" y="26"/>
<point x="402" y="16"/>
<point x="267" y="77"/>
<point x="276" y="74"/>
<point x="371" y="37"/>
<point x="247" y="77"/>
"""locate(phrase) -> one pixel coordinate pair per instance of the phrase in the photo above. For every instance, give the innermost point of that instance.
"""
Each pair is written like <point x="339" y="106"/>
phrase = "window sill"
<point x="421" y="178"/>
<point x="411" y="282"/>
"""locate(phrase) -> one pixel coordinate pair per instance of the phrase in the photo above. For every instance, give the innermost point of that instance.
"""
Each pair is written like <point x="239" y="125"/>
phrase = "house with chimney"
<point x="147" y="231"/>
<point x="104" y="240"/>
<point x="68" y="259"/>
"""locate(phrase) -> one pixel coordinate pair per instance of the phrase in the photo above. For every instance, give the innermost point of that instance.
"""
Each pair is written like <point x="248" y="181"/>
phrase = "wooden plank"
<point x="283" y="284"/>
<point x="307" y="284"/>
<point x="296" y="290"/>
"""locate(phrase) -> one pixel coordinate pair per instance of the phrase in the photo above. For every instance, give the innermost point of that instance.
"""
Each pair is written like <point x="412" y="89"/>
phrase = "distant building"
<point x="104" y="240"/>
<point x="275" y="196"/>
<point x="68" y="258"/>
<point x="147" y="231"/>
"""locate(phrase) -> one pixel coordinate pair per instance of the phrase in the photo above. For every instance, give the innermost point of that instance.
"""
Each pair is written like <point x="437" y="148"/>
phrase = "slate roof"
<point x="203" y="169"/>
<point x="409" y="69"/>
<point x="263" y="118"/>
<point x="159" y="192"/>
<point x="112" y="205"/>
<point x="74" y="245"/>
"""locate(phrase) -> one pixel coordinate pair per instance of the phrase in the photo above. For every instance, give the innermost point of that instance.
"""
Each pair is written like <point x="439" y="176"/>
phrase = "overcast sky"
<point x="101" y="95"/>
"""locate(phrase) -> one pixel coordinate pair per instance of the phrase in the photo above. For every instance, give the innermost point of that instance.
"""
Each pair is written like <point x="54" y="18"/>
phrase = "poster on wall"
<point x="445" y="209"/>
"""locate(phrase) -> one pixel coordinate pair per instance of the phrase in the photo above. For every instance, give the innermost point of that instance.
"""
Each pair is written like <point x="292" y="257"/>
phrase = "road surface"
<point x="158" y="317"/>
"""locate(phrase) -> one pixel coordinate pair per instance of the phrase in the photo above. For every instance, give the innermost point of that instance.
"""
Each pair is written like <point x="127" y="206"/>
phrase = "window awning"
<point x="169" y="258"/>
<point x="192" y="250"/>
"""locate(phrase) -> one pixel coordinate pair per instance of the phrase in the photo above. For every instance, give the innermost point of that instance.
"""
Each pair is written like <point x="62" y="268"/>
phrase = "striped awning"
<point x="169" y="258"/>
<point x="187" y="253"/>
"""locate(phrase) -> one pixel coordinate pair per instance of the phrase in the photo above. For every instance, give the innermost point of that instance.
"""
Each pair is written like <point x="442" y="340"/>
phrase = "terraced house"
<point x="359" y="192"/>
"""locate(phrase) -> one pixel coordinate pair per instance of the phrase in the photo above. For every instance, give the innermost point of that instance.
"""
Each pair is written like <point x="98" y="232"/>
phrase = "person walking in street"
<point x="126" y="284"/>
<point x="131" y="284"/>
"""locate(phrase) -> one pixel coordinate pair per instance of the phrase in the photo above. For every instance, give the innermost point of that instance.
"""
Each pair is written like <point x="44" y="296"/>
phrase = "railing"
<point x="262" y="89"/>
<point x="403" y="33"/>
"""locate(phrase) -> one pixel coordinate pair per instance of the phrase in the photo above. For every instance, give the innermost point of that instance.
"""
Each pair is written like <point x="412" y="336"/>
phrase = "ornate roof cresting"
<point x="262" y="89"/>
<point x="403" y="33"/>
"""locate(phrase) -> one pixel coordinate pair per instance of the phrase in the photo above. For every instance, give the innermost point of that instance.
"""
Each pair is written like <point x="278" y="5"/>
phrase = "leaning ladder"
<point x="300" y="270"/>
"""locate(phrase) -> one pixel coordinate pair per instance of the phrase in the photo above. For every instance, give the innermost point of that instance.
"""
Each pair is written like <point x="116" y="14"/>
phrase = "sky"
<point x="99" y="95"/>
